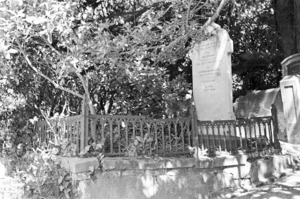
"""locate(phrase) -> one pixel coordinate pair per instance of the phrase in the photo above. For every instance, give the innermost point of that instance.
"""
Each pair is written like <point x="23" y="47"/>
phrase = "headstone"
<point x="212" y="77"/>
<point x="290" y="92"/>
<point x="258" y="104"/>
<point x="291" y="65"/>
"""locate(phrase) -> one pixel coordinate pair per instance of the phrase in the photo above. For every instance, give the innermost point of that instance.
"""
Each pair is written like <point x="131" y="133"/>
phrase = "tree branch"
<point x="206" y="24"/>
<point x="87" y="94"/>
<point x="188" y="15"/>
<point x="43" y="75"/>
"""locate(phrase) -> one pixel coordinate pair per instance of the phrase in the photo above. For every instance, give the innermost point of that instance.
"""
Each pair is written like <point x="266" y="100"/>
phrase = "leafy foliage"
<point x="141" y="146"/>
<point x="257" y="50"/>
<point x="96" y="49"/>
<point x="40" y="173"/>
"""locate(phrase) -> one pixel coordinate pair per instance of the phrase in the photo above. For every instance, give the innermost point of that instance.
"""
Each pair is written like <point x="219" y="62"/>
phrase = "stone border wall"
<point x="169" y="177"/>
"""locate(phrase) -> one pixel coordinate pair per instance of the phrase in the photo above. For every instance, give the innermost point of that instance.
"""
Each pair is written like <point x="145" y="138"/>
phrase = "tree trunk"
<point x="285" y="21"/>
<point x="297" y="23"/>
<point x="90" y="104"/>
<point x="288" y="20"/>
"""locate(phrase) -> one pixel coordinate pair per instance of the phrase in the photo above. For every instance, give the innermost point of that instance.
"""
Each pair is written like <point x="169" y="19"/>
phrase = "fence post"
<point x="275" y="126"/>
<point x="84" y="124"/>
<point x="93" y="128"/>
<point x="193" y="116"/>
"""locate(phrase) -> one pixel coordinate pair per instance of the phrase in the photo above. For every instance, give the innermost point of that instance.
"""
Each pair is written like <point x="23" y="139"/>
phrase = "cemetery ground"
<point x="286" y="187"/>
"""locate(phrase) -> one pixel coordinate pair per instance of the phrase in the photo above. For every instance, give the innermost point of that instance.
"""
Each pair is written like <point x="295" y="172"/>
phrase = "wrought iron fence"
<point x="59" y="129"/>
<point x="168" y="136"/>
<point x="247" y="135"/>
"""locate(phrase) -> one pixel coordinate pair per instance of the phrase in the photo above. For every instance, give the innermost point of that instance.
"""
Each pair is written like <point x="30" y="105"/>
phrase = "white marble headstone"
<point x="212" y="76"/>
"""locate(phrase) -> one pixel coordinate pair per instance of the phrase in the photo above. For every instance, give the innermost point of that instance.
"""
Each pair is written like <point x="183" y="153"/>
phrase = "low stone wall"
<point x="169" y="177"/>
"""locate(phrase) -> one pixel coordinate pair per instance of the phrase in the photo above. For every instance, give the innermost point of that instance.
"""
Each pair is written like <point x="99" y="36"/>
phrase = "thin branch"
<point x="45" y="76"/>
<point x="215" y="16"/>
<point x="188" y="14"/>
<point x="198" y="6"/>
<point x="206" y="24"/>
<point x="50" y="45"/>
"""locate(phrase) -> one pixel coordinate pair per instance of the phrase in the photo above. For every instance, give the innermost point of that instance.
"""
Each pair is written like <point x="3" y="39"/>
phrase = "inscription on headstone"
<point x="212" y="80"/>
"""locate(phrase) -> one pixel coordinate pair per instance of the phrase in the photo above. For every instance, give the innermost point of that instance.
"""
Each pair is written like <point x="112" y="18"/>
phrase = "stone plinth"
<point x="79" y="165"/>
<point x="212" y="78"/>
<point x="169" y="178"/>
<point x="290" y="92"/>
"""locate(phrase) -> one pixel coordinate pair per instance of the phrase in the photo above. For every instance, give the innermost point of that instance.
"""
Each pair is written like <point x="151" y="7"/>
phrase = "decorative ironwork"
<point x="169" y="136"/>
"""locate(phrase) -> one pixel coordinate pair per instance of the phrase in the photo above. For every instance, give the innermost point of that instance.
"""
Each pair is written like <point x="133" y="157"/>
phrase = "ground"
<point x="287" y="187"/>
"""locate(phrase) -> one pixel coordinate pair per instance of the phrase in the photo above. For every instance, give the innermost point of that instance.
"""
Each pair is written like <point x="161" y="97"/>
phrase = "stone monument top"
<point x="291" y="65"/>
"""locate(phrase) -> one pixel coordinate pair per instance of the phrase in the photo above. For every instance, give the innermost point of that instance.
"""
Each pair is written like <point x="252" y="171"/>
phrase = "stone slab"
<point x="212" y="77"/>
<point x="180" y="183"/>
<point x="121" y="163"/>
<point x="290" y="92"/>
<point x="79" y="165"/>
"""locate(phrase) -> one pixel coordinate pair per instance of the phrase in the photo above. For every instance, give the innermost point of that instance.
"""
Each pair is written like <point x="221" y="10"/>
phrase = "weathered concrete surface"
<point x="11" y="188"/>
<point x="175" y="177"/>
<point x="79" y="165"/>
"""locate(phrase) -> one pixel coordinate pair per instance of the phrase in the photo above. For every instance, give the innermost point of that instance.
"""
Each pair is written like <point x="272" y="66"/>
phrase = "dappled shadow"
<point x="273" y="192"/>
<point x="185" y="183"/>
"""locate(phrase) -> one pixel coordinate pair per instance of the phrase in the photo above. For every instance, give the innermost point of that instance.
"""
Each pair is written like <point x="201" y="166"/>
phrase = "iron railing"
<point x="246" y="135"/>
<point x="168" y="136"/>
<point x="59" y="129"/>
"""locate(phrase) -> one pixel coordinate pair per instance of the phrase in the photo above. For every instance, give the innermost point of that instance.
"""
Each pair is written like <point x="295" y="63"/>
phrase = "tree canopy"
<point x="124" y="56"/>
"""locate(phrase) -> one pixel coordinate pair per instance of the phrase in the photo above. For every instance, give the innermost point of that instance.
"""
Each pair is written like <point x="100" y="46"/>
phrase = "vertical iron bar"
<point x="207" y="137"/>
<point x="156" y="136"/>
<point x="241" y="137"/>
<point x="176" y="137"/>
<point x="133" y="128"/>
<point x="111" y="136"/>
<point x="225" y="137"/>
<point x="230" y="138"/>
<point x="260" y="136"/>
<point x="119" y="134"/>
<point x="170" y="139"/>
<point x="214" y="136"/>
<point x="219" y="134"/>
<point x="182" y="134"/>
<point x="102" y="126"/>
<point x="126" y="134"/>
<point x="255" y="137"/>
<point x="235" y="135"/>
<point x="270" y="133"/>
<point x="190" y="126"/>
<point x="163" y="138"/>
<point x="246" y="137"/>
